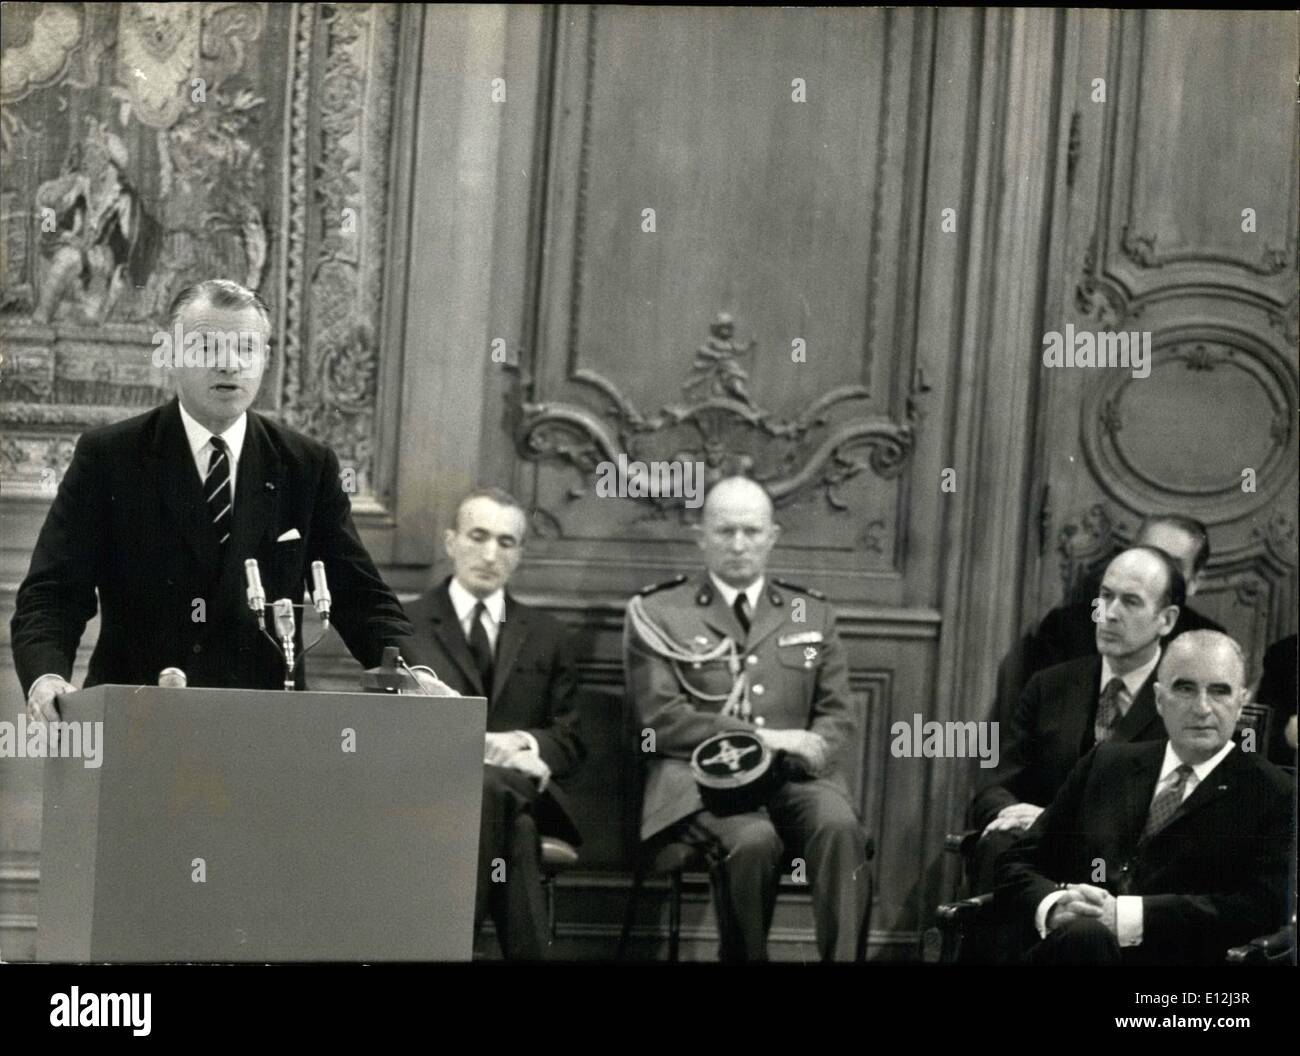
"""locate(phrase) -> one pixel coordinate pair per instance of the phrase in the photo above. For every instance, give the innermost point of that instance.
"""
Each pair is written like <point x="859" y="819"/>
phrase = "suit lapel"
<point x="259" y="483"/>
<point x="181" y="489"/>
<point x="446" y="628"/>
<point x="1080" y="712"/>
<point x="718" y="615"/>
<point x="1139" y="789"/>
<point x="511" y="635"/>
<point x="768" y="618"/>
<point x="1217" y="782"/>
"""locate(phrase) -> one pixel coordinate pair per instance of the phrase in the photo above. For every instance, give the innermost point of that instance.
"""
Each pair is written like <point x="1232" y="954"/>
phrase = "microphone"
<point x="256" y="593"/>
<point x="320" y="591"/>
<point x="172" y="678"/>
<point x="284" y="626"/>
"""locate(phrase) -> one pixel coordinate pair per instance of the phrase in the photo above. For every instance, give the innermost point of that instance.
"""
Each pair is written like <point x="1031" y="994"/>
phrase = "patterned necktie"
<point x="480" y="648"/>
<point x="1108" y="710"/>
<point x="216" y="486"/>
<point x="741" y="608"/>
<point x="1164" y="806"/>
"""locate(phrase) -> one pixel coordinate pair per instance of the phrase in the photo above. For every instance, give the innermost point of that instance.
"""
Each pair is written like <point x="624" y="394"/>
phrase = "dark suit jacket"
<point x="1277" y="689"/>
<point x="1051" y="729"/>
<point x="1216" y="876"/>
<point x="534" y="686"/>
<point x="130" y="522"/>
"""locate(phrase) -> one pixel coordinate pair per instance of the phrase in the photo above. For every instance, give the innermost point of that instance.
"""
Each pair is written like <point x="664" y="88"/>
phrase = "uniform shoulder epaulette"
<point x="797" y="589"/>
<point x="653" y="587"/>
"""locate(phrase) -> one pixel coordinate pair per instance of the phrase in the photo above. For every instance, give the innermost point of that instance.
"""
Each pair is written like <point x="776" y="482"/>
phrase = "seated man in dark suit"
<point x="1163" y="852"/>
<point x="1066" y="632"/>
<point x="485" y="643"/>
<point x="1068" y="708"/>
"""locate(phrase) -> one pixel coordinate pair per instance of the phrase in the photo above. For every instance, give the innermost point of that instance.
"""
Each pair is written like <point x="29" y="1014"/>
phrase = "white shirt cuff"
<point x="32" y="690"/>
<point x="1128" y="920"/>
<point x="532" y="741"/>
<point x="1044" y="910"/>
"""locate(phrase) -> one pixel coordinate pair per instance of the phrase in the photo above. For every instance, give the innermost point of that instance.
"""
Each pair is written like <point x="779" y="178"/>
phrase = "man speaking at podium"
<point x="158" y="514"/>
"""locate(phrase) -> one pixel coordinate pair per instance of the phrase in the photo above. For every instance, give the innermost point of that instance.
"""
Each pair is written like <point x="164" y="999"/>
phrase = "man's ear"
<point x="1159" y="692"/>
<point x="448" y="535"/>
<point x="776" y="531"/>
<point x="697" y="530"/>
<point x="1168" y="617"/>
<point x="1193" y="584"/>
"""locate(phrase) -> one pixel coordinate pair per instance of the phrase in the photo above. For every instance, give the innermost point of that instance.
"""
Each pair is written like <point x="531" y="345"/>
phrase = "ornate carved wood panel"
<point x="775" y="222"/>
<point x="1182" y="222"/>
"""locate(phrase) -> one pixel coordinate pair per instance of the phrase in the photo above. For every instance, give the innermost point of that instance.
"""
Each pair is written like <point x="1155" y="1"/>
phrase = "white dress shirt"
<point x="1128" y="908"/>
<point x="753" y="592"/>
<point x="494" y="606"/>
<point x="200" y="438"/>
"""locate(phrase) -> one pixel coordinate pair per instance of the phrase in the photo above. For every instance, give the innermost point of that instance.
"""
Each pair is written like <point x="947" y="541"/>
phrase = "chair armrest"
<point x="1266" y="949"/>
<point x="964" y="912"/>
<point x="961" y="842"/>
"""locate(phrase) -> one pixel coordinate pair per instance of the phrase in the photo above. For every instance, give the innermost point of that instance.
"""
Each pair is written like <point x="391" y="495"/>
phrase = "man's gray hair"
<point x="1199" y="642"/>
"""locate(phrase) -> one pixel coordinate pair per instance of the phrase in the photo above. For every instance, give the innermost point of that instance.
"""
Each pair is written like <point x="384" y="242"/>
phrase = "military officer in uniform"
<point x="731" y="650"/>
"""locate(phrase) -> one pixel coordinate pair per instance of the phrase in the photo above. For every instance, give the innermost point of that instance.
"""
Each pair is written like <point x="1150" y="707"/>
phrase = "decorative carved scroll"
<point x="722" y="426"/>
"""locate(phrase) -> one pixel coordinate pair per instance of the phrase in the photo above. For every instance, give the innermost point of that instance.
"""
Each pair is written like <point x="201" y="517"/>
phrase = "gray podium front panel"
<point x="308" y="851"/>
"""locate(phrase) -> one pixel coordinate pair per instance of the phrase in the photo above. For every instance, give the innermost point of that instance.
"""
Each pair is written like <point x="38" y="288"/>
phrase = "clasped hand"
<point x="1079" y="901"/>
<point x="514" y="752"/>
<point x="804" y="745"/>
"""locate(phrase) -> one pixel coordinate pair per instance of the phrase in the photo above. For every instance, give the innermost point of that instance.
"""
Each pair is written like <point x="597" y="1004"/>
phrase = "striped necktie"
<point x="216" y="486"/>
<point x="1108" y="711"/>
<point x="1166" y="804"/>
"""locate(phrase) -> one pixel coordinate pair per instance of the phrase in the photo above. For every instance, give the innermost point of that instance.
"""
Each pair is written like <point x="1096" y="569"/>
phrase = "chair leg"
<point x="548" y="883"/>
<point x="629" y="914"/>
<point x="675" y="915"/>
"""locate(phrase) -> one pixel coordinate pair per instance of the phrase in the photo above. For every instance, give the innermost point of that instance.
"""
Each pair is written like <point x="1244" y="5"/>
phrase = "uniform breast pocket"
<point x="805" y="657"/>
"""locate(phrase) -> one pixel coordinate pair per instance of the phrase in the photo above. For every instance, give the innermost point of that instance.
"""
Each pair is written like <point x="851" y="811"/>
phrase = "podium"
<point x="254" y="825"/>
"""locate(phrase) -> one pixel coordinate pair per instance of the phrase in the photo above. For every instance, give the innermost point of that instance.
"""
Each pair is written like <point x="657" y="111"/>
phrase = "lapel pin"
<point x="269" y="486"/>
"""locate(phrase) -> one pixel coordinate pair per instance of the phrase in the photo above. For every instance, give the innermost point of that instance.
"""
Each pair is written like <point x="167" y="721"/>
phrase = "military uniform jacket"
<point x="795" y="668"/>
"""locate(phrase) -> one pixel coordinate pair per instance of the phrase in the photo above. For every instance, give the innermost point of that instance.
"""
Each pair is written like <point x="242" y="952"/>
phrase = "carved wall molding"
<point x="1125" y="266"/>
<point x="1209" y="352"/>
<point x="723" y="427"/>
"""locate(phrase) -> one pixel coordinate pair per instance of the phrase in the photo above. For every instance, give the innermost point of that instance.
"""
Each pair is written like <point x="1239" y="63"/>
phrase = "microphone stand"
<point x="283" y="611"/>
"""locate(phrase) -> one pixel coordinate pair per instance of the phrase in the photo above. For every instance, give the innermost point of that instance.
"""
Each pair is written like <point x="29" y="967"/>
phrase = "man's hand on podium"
<point x="41" y="706"/>
<point x="516" y="750"/>
<point x="430" y="684"/>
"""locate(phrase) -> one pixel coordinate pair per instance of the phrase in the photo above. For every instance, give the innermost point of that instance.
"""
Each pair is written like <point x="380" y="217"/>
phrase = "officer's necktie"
<point x="741" y="608"/>
<point x="480" y="648"/>
<point x="1165" y="804"/>
<point x="1108" y="714"/>
<point x="216" y="486"/>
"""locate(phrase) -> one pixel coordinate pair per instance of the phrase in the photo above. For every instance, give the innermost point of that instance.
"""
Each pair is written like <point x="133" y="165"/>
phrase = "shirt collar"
<point x="464" y="602"/>
<point x="753" y="592"/>
<point x="1134" y="680"/>
<point x="199" y="435"/>
<point x="1201" y="770"/>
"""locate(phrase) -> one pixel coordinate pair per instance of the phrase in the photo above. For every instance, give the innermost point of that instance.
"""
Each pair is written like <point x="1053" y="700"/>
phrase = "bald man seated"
<point x="1161" y="852"/>
<point x="733" y="648"/>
